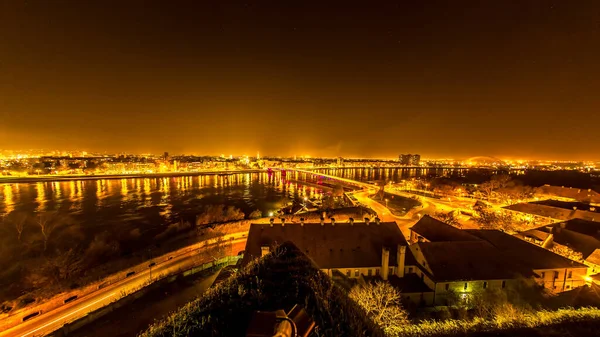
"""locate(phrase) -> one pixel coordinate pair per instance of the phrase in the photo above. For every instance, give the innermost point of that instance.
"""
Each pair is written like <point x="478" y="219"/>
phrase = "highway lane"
<point x="56" y="318"/>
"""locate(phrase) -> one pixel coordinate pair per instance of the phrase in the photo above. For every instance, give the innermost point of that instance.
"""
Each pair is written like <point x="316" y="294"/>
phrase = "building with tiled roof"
<point x="569" y="193"/>
<point x="428" y="229"/>
<point x="352" y="248"/>
<point x="579" y="235"/>
<point x="555" y="272"/>
<point x="557" y="213"/>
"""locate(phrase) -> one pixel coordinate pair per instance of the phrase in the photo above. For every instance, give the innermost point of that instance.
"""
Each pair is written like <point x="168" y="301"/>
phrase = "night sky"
<point x="454" y="79"/>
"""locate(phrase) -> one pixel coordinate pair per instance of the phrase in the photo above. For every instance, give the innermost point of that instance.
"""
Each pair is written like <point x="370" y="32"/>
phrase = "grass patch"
<point x="524" y="324"/>
<point x="398" y="205"/>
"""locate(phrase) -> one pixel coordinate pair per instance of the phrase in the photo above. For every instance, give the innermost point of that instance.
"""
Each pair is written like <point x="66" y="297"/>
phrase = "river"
<point x="152" y="200"/>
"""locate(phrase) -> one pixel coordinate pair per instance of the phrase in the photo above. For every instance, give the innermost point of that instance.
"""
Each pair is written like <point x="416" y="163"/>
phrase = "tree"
<point x="450" y="218"/>
<point x="48" y="223"/>
<point x="19" y="221"/>
<point x="233" y="213"/>
<point x="488" y="218"/>
<point x="256" y="214"/>
<point x="381" y="302"/>
<point x="64" y="265"/>
<point x="501" y="180"/>
<point x="487" y="189"/>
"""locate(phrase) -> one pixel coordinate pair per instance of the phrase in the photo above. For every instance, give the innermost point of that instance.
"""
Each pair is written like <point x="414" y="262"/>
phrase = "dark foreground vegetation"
<point x="46" y="253"/>
<point x="279" y="281"/>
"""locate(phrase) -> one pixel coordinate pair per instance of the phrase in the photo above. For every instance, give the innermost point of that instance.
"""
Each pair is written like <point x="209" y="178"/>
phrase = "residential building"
<point x="568" y="193"/>
<point x="555" y="272"/>
<point x="579" y="235"/>
<point x="410" y="159"/>
<point x="462" y="267"/>
<point x="450" y="258"/>
<point x="558" y="213"/>
<point x="355" y="250"/>
<point x="352" y="248"/>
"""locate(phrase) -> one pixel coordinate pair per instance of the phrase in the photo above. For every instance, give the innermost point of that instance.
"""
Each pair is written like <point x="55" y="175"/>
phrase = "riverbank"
<point x="50" y="178"/>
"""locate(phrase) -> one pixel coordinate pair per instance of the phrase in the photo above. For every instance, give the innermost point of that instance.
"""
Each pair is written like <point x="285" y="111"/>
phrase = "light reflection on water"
<point x="147" y="201"/>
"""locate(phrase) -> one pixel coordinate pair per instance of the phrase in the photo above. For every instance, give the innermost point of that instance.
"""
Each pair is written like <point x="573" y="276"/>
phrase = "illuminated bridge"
<point x="330" y="177"/>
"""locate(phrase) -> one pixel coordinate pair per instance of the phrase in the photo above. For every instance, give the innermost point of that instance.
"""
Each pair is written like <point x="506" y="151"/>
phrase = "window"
<point x="570" y="275"/>
<point x="555" y="274"/>
<point x="543" y="275"/>
<point x="348" y="273"/>
<point x="447" y="286"/>
<point x="484" y="285"/>
<point x="356" y="273"/>
<point x="503" y="284"/>
<point x="466" y="286"/>
<point x="377" y="271"/>
<point x="410" y="270"/>
<point x="391" y="271"/>
<point x="369" y="272"/>
<point x="568" y="287"/>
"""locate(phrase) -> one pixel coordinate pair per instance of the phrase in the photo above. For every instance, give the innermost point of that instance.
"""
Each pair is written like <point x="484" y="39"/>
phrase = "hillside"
<point x="279" y="281"/>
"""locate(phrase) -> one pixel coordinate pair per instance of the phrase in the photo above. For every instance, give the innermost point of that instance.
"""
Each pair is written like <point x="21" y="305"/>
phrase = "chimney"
<point x="400" y="258"/>
<point x="282" y="222"/>
<point x="351" y="220"/>
<point x="332" y="221"/>
<point x="301" y="221"/>
<point x="548" y="242"/>
<point x="264" y="250"/>
<point x="367" y="221"/>
<point x="322" y="221"/>
<point x="377" y="221"/>
<point x="385" y="263"/>
<point x="271" y="221"/>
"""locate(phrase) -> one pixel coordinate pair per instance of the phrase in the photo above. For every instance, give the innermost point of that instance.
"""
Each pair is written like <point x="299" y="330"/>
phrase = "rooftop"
<point x="553" y="212"/>
<point x="578" y="234"/>
<point x="525" y="253"/>
<point x="467" y="260"/>
<point x="539" y="234"/>
<point x="437" y="231"/>
<point x="342" y="245"/>
<point x="569" y="192"/>
<point x="594" y="257"/>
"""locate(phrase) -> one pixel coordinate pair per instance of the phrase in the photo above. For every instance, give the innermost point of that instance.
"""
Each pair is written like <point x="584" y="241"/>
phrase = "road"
<point x="56" y="318"/>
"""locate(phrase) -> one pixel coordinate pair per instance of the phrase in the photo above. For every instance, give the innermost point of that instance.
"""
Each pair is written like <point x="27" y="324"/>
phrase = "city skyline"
<point x="83" y="152"/>
<point x="508" y="80"/>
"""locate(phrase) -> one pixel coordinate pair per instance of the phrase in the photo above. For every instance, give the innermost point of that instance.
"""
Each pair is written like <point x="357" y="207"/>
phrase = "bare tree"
<point x="19" y="221"/>
<point x="450" y="218"/>
<point x="381" y="303"/>
<point x="48" y="223"/>
<point x="488" y="188"/>
<point x="64" y="265"/>
<point x="501" y="180"/>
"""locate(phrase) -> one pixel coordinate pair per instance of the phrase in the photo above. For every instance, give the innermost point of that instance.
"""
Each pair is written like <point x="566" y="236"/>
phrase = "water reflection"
<point x="151" y="202"/>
